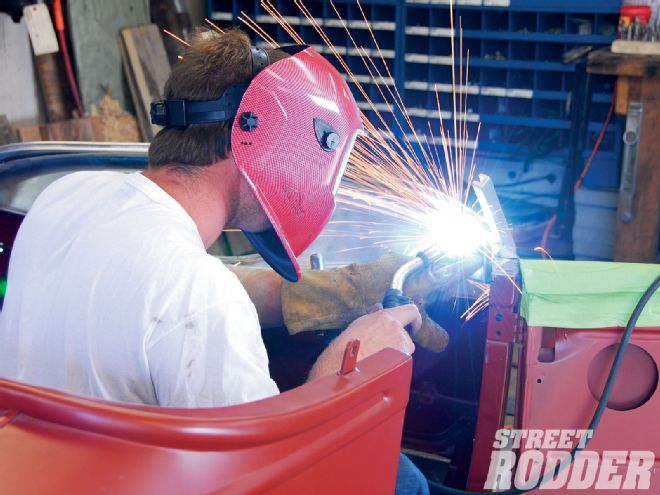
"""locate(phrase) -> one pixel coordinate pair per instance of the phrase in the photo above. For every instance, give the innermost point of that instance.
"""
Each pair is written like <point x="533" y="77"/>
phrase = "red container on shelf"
<point x="628" y="13"/>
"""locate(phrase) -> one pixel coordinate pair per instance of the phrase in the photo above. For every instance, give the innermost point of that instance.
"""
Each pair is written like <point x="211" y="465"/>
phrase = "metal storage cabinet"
<point x="519" y="89"/>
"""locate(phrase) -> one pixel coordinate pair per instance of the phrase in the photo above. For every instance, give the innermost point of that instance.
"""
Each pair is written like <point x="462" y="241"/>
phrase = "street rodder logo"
<point x="546" y="459"/>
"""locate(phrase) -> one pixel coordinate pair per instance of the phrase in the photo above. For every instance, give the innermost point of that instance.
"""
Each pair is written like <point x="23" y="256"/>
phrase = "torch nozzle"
<point x="424" y="259"/>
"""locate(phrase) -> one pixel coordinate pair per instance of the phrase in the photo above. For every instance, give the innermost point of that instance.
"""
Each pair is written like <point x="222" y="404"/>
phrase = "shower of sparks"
<point x="417" y="197"/>
<point x="480" y="303"/>
<point x="213" y="25"/>
<point x="546" y="255"/>
<point x="433" y="219"/>
<point x="543" y="251"/>
<point x="178" y="38"/>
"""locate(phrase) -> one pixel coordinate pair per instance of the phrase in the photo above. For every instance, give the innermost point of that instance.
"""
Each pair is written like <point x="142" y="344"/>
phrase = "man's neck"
<point x="206" y="195"/>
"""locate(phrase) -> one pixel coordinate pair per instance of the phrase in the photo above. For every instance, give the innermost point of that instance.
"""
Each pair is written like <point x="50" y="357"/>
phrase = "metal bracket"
<point x="316" y="261"/>
<point x="491" y="209"/>
<point x="6" y="417"/>
<point x="631" y="137"/>
<point x="350" y="357"/>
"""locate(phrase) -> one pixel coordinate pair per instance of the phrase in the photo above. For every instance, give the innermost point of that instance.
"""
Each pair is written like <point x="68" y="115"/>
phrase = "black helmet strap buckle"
<point x="181" y="113"/>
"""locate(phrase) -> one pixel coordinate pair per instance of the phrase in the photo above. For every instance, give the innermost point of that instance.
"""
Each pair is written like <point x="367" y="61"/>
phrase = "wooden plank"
<point x="622" y="88"/>
<point x="636" y="47"/>
<point x="638" y="240"/>
<point x="94" y="26"/>
<point x="147" y="66"/>
<point x="109" y="122"/>
<point x="72" y="130"/>
<point x="132" y="85"/>
<point x="627" y="89"/>
<point x="603" y="61"/>
<point x="52" y="84"/>
<point x="31" y="134"/>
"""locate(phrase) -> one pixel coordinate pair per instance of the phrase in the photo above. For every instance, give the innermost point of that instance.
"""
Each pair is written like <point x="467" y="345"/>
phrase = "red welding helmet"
<point x="295" y="123"/>
<point x="293" y="132"/>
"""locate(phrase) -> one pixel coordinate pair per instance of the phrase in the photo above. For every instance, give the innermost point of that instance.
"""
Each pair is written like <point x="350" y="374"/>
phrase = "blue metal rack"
<point x="519" y="89"/>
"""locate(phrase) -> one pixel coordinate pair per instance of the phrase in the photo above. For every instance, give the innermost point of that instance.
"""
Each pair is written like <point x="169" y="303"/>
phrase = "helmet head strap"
<point x="182" y="113"/>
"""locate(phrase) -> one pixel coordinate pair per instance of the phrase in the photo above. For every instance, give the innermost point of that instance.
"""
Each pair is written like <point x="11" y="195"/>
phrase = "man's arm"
<point x="332" y="299"/>
<point x="376" y="331"/>
<point x="264" y="287"/>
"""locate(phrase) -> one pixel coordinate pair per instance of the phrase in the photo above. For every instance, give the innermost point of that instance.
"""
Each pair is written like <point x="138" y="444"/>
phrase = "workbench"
<point x="638" y="98"/>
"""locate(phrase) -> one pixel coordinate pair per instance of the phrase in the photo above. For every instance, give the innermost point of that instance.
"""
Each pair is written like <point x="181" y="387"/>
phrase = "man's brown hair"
<point x="213" y="62"/>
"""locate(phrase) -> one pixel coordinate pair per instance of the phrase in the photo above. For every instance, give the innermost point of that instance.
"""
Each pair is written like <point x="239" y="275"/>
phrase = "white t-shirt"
<point x="111" y="294"/>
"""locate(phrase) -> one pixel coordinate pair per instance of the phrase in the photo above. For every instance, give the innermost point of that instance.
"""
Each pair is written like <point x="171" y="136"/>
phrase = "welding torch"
<point x="425" y="259"/>
<point x="433" y="257"/>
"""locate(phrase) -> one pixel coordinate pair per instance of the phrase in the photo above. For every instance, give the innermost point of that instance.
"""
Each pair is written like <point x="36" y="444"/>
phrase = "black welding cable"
<point x="600" y="410"/>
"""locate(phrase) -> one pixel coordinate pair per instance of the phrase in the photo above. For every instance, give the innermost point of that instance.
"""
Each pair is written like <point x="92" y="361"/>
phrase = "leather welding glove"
<point x="332" y="299"/>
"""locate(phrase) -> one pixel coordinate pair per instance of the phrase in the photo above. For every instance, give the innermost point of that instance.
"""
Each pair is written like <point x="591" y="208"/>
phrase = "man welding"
<point x="111" y="292"/>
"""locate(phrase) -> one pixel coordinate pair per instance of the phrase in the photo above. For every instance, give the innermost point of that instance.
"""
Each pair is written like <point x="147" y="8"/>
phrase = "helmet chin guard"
<point x="293" y="132"/>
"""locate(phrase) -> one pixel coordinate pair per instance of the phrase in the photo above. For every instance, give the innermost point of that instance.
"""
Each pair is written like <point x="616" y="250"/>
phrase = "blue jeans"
<point x="409" y="479"/>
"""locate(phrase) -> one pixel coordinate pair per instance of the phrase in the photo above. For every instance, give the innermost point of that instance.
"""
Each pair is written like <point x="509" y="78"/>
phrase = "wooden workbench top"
<point x="603" y="61"/>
